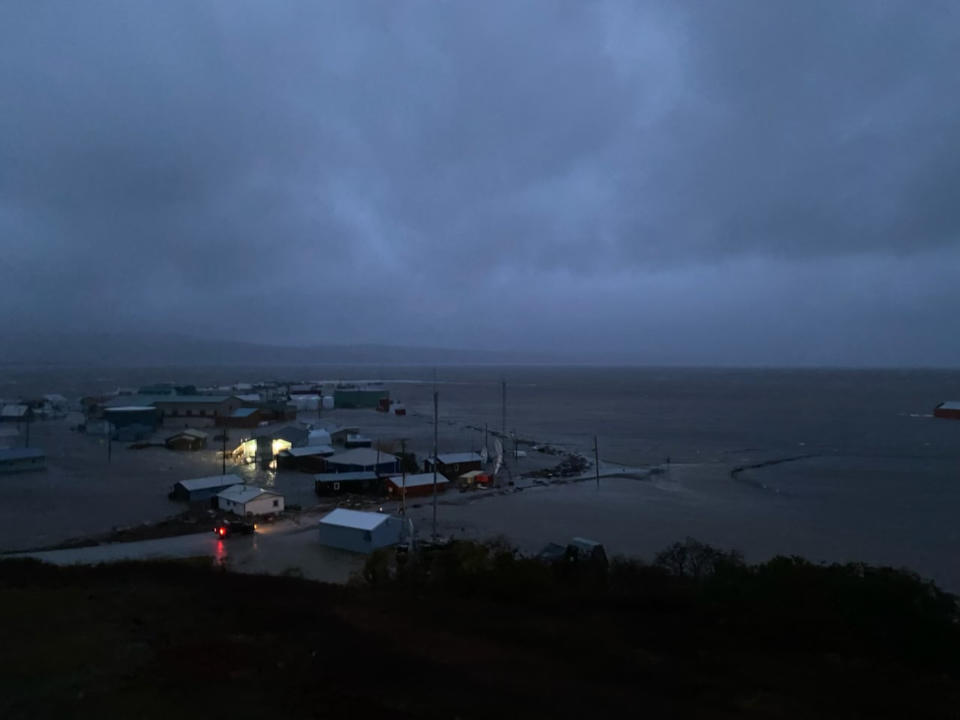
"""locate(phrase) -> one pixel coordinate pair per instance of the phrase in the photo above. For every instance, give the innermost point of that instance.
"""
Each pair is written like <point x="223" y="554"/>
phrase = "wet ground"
<point x="287" y="547"/>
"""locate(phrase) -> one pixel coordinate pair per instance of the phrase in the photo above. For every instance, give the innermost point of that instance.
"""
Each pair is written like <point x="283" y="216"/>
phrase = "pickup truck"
<point x="234" y="527"/>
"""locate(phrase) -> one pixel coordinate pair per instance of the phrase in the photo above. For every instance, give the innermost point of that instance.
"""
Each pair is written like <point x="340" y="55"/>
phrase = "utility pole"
<point x="29" y="414"/>
<point x="503" y="410"/>
<point x="109" y="441"/>
<point x="403" y="489"/>
<point x="436" y="461"/>
<point x="224" y="453"/>
<point x="596" y="460"/>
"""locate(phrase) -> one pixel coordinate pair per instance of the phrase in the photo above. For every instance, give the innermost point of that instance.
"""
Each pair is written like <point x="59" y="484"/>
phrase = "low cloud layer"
<point x="742" y="183"/>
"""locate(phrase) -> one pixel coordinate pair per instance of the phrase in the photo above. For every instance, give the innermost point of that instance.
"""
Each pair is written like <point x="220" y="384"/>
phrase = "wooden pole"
<point x="436" y="461"/>
<point x="403" y="489"/>
<point x="596" y="460"/>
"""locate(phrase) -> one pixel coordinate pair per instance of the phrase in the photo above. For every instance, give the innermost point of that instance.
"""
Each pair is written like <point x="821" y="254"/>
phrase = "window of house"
<point x="276" y="503"/>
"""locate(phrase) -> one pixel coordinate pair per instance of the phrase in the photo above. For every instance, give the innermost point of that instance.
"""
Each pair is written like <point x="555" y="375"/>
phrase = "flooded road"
<point x="274" y="551"/>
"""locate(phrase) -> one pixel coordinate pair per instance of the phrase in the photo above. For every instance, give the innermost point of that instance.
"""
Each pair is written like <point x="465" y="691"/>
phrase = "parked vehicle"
<point x="234" y="527"/>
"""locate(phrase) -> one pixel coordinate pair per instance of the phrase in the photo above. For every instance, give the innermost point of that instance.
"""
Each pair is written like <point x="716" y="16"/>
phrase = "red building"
<point x="949" y="409"/>
<point x="416" y="485"/>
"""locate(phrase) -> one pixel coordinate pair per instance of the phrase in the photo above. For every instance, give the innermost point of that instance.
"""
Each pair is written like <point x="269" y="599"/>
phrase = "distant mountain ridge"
<point x="145" y="350"/>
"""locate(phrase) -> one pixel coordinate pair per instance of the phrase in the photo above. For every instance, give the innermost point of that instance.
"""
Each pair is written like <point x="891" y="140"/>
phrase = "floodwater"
<point x="273" y="551"/>
<point x="878" y="479"/>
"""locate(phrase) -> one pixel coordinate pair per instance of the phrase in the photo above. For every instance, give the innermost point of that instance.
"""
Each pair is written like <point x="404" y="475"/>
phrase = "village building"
<point x="205" y="488"/>
<point x="129" y="423"/>
<point x="473" y="479"/>
<point x="54" y="404"/>
<point x="363" y="482"/>
<point x="453" y="465"/>
<point x="361" y="532"/>
<point x="21" y="459"/>
<point x="949" y="409"/>
<point x="415" y="485"/>
<point x="246" y="500"/>
<point x="338" y="436"/>
<point x="15" y="413"/>
<point x="305" y="459"/>
<point x="319" y="436"/>
<point x="195" y="410"/>
<point x="245" y="417"/>
<point x="359" y="459"/>
<point x="360" y="396"/>
<point x="188" y="439"/>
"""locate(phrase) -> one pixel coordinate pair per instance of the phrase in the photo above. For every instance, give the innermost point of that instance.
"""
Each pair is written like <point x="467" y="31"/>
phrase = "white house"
<point x="359" y="531"/>
<point x="249" y="500"/>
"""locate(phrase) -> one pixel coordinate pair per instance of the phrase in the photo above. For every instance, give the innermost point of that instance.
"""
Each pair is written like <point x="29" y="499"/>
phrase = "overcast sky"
<point x="706" y="182"/>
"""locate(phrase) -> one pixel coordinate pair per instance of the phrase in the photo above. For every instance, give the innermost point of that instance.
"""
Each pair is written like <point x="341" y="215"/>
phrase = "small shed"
<point x="473" y="478"/>
<point x="359" y="459"/>
<point x="453" y="465"/>
<point x="249" y="500"/>
<point x="416" y="485"/>
<point x="188" y="439"/>
<point x="15" y="413"/>
<point x="357" y="531"/>
<point x="949" y="409"/>
<point x="338" y="436"/>
<point x="199" y="489"/>
<point x="20" y="459"/>
<point x="363" y="482"/>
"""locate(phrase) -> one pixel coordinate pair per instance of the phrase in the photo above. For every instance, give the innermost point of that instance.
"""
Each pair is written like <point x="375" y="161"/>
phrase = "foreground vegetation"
<point x="473" y="630"/>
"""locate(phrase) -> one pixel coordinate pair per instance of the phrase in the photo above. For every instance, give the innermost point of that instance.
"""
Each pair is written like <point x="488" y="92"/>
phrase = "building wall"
<point x="363" y="487"/>
<point x="363" y="541"/>
<point x="419" y="490"/>
<point x="264" y="505"/>
<point x="181" y="493"/>
<point x="358" y="398"/>
<point x="384" y="468"/>
<point x="453" y="470"/>
<point x="947" y="413"/>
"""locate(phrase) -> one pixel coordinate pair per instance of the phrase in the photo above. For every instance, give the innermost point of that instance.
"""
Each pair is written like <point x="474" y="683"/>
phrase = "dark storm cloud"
<point x="765" y="176"/>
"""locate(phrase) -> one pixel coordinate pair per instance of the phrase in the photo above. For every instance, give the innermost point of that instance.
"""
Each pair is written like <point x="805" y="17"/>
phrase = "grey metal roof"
<point x="418" y="480"/>
<point x="190" y="432"/>
<point x="21" y="453"/>
<point x="243" y="412"/>
<point x="212" y="481"/>
<point x="13" y="411"/>
<point x="456" y="458"/>
<point x="311" y="450"/>
<point x="244" y="493"/>
<point x="355" y="519"/>
<point x="190" y="399"/>
<point x="345" y="476"/>
<point x="362" y="457"/>
<point x="951" y="405"/>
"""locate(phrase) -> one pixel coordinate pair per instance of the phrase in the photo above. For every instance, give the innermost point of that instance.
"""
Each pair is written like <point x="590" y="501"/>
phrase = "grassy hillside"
<point x="477" y="632"/>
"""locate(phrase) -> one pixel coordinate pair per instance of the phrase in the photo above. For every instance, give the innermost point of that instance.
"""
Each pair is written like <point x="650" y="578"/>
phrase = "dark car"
<point x="234" y="527"/>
